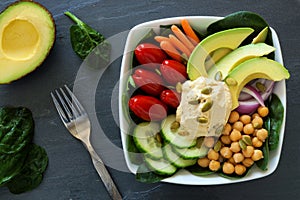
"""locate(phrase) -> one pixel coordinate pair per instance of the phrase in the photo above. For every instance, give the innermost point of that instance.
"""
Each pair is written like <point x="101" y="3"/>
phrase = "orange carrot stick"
<point x="179" y="45"/>
<point x="170" y="50"/>
<point x="161" y="38"/>
<point x="189" y="31"/>
<point x="181" y="36"/>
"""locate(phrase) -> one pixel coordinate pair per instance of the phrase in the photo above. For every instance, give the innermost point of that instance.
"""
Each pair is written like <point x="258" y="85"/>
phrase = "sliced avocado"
<point x="237" y="56"/>
<point x="27" y="33"/>
<point x="231" y="39"/>
<point x="251" y="69"/>
<point x="261" y="37"/>
<point x="215" y="57"/>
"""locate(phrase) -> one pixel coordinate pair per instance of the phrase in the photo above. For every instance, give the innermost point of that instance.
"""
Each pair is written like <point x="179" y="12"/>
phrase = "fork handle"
<point x="104" y="174"/>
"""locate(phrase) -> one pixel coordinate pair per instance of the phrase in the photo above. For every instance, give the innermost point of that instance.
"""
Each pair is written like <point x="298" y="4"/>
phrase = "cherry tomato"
<point x="150" y="82"/>
<point x="173" y="71"/>
<point x="170" y="97"/>
<point x="148" y="108"/>
<point x="149" y="53"/>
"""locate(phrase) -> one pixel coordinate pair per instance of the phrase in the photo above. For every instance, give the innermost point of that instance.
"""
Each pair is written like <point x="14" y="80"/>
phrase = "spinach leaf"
<point x="16" y="129"/>
<point x="11" y="165"/>
<point x="85" y="40"/>
<point x="276" y="112"/>
<point x="242" y="19"/>
<point x="32" y="173"/>
<point x="145" y="175"/>
<point x="199" y="171"/>
<point x="21" y="162"/>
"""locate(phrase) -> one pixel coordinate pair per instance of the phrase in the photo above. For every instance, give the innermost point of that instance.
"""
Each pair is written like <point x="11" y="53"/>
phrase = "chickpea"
<point x="257" y="155"/>
<point x="257" y="122"/>
<point x="209" y="141"/>
<point x="227" y="129"/>
<point x="238" y="125"/>
<point x="212" y="155"/>
<point x="245" y="119"/>
<point x="256" y="142"/>
<point x="228" y="168"/>
<point x="263" y="111"/>
<point x="255" y="115"/>
<point x="226" y="152"/>
<point x="254" y="133"/>
<point x="248" y="162"/>
<point x="248" y="129"/>
<point x="203" y="162"/>
<point x="238" y="157"/>
<point x="235" y="147"/>
<point x="214" y="165"/>
<point x="233" y="117"/>
<point x="225" y="139"/>
<point x="235" y="135"/>
<point x="262" y="134"/>
<point x="231" y="160"/>
<point x="240" y="169"/>
<point x="248" y="152"/>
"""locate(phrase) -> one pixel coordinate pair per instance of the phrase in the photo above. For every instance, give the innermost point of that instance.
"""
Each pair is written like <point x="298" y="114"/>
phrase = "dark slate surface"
<point x="70" y="174"/>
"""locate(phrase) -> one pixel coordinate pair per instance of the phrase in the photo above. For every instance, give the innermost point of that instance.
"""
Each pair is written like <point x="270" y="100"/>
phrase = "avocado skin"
<point x="49" y="14"/>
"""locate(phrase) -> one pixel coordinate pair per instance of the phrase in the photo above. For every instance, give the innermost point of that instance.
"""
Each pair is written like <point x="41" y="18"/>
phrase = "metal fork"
<point x="76" y="120"/>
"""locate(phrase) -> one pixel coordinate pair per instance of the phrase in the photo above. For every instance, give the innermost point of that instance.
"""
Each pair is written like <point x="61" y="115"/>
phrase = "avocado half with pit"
<point x="27" y="34"/>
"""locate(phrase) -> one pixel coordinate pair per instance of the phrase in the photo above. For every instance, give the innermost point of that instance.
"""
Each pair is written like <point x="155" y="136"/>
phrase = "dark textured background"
<point x="70" y="174"/>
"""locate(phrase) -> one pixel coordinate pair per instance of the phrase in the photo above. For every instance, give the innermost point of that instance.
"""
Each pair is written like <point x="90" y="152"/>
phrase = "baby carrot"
<point x="189" y="31"/>
<point x="161" y="38"/>
<point x="179" y="45"/>
<point x="181" y="36"/>
<point x="170" y="50"/>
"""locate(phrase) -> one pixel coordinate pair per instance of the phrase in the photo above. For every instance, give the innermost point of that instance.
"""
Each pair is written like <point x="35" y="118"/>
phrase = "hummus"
<point x="204" y="108"/>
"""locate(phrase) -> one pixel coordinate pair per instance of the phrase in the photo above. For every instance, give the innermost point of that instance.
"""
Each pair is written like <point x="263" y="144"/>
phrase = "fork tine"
<point x="59" y="109"/>
<point x="75" y="101"/>
<point x="70" y="104"/>
<point x="64" y="105"/>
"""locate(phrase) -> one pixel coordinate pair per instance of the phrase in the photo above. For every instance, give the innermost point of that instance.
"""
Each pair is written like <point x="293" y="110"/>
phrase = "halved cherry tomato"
<point x="173" y="71"/>
<point x="150" y="82"/>
<point x="149" y="53"/>
<point x="170" y="97"/>
<point x="148" y="108"/>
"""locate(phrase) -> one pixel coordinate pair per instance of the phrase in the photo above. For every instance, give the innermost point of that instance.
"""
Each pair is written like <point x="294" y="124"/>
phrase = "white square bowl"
<point x="200" y="23"/>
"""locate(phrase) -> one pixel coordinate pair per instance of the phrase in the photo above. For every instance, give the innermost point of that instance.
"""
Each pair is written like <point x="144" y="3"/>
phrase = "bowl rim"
<point x="183" y="176"/>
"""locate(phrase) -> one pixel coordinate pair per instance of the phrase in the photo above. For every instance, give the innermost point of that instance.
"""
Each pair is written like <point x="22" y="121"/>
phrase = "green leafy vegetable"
<point x="16" y="127"/>
<point x="199" y="171"/>
<point x="241" y="19"/>
<point x="145" y="175"/>
<point x="11" y="165"/>
<point x="276" y="112"/>
<point x="22" y="163"/>
<point x="85" y="39"/>
<point x="32" y="173"/>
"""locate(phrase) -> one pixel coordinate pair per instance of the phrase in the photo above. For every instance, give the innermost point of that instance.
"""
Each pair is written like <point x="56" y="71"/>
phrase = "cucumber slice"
<point x="173" y="137"/>
<point x="146" y="138"/>
<point x="176" y="160"/>
<point x="161" y="166"/>
<point x="191" y="153"/>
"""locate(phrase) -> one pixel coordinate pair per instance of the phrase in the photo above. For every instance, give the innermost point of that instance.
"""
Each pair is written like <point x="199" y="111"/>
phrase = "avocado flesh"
<point x="230" y="38"/>
<point x="237" y="56"/>
<point x="27" y="33"/>
<point x="261" y="37"/>
<point x="215" y="56"/>
<point x="254" y="68"/>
